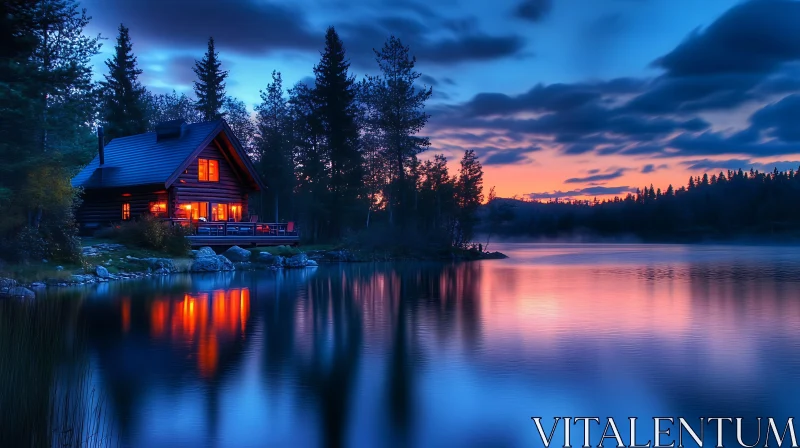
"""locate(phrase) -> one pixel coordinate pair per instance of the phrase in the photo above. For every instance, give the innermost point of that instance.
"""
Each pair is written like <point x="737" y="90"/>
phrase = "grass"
<point x="288" y="251"/>
<point x="46" y="394"/>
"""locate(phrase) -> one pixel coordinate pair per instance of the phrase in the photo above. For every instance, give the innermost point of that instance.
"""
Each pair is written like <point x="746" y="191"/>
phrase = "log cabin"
<point x="182" y="173"/>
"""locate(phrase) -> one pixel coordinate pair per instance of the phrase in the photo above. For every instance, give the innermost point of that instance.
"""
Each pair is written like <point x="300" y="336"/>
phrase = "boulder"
<point x="18" y="292"/>
<point x="59" y="268"/>
<point x="212" y="264"/>
<point x="204" y="252"/>
<point x="226" y="264"/>
<point x="6" y="283"/>
<point x="206" y="264"/>
<point x="101" y="272"/>
<point x="297" y="261"/>
<point x="237" y="254"/>
<point x="311" y="263"/>
<point x="278" y="261"/>
<point x="265" y="257"/>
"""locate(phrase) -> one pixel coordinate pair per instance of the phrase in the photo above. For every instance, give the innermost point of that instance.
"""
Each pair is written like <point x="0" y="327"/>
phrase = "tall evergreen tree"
<point x="210" y="85"/>
<point x="46" y="106"/>
<point x="335" y="97"/>
<point x="400" y="117"/>
<point x="272" y="147"/>
<point x="469" y="195"/>
<point x="123" y="97"/>
<point x="310" y="160"/>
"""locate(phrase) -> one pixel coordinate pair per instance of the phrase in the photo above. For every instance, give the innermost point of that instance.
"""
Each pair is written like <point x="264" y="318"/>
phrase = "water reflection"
<point x="428" y="354"/>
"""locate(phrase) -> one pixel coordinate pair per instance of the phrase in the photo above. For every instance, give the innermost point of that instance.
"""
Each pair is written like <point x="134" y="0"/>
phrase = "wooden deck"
<point x="241" y="233"/>
<point x="243" y="240"/>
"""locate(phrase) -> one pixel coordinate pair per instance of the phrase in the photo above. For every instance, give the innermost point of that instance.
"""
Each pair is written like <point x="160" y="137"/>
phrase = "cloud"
<point x="243" y="26"/>
<point x="533" y="10"/>
<point x="597" y="177"/>
<point x="736" y="164"/>
<point x="589" y="191"/>
<point x="780" y="119"/>
<point x="509" y="156"/>
<point x="752" y="37"/>
<point x="722" y="66"/>
<point x="651" y="168"/>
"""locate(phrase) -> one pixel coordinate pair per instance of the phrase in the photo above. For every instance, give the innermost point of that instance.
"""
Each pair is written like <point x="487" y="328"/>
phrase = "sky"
<point x="559" y="98"/>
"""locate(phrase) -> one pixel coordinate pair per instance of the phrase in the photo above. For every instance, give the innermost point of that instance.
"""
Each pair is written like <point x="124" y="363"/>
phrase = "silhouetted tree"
<point x="123" y="97"/>
<point x="210" y="85"/>
<point x="335" y="105"/>
<point x="273" y="146"/>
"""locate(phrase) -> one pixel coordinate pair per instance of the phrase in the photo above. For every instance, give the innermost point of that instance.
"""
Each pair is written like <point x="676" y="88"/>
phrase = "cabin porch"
<point x="230" y="233"/>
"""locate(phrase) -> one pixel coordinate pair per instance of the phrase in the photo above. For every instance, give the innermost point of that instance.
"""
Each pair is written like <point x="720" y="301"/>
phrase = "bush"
<point x="150" y="233"/>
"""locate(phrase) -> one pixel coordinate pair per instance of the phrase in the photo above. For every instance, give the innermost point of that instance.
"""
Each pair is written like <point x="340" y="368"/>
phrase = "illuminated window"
<point x="219" y="212"/>
<point x="196" y="210"/>
<point x="236" y="212"/>
<point x="207" y="170"/>
<point x="158" y="208"/>
<point x="126" y="211"/>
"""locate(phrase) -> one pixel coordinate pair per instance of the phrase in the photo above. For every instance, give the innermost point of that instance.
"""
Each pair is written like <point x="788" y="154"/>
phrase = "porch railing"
<point x="230" y="228"/>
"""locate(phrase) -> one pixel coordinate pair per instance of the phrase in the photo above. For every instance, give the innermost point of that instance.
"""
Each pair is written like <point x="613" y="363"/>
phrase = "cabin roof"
<point x="143" y="160"/>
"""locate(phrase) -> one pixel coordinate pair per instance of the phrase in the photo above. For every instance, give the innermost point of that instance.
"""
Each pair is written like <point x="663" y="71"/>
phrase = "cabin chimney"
<point x="169" y="129"/>
<point x="100" y="145"/>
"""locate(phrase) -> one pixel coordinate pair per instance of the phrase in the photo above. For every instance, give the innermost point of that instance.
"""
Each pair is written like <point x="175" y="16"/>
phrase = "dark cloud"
<point x="427" y="42"/>
<point x="651" y="168"/>
<point x="780" y="120"/>
<point x="533" y="10"/>
<point x="429" y="80"/>
<point x="241" y="25"/>
<point x="589" y="191"/>
<point x="552" y="97"/>
<point x="752" y="37"/>
<point x="736" y="164"/>
<point x="597" y="177"/>
<point x="724" y="65"/>
<point x="509" y="156"/>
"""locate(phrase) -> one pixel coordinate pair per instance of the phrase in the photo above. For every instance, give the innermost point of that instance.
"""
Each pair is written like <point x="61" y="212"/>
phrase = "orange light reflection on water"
<point x="202" y="321"/>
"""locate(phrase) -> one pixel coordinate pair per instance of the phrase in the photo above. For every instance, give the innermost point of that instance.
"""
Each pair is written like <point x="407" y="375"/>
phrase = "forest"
<point x="724" y="206"/>
<point x="339" y="155"/>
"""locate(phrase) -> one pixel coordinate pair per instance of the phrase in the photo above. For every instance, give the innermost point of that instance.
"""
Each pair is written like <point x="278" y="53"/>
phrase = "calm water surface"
<point x="430" y="354"/>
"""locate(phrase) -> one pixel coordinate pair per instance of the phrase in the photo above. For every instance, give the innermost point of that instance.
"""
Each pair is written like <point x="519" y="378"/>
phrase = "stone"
<point x="59" y="268"/>
<point x="278" y="261"/>
<point x="101" y="272"/>
<point x="265" y="257"/>
<point x="204" y="252"/>
<point x="38" y="285"/>
<point x="6" y="283"/>
<point x="226" y="263"/>
<point x="297" y="261"/>
<point x="162" y="271"/>
<point x="311" y="263"/>
<point x="212" y="264"/>
<point x="18" y="292"/>
<point x="206" y="264"/>
<point x="237" y="254"/>
<point x="44" y="260"/>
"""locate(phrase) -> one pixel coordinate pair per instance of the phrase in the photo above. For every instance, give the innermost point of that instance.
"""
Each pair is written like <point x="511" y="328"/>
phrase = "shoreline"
<point x="106" y="262"/>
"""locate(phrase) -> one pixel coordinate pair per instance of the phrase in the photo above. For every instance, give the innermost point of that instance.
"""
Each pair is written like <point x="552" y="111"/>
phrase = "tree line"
<point x="339" y="155"/>
<point x="726" y="205"/>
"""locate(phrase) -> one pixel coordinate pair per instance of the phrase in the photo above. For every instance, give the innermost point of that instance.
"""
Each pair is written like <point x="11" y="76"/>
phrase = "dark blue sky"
<point x="559" y="97"/>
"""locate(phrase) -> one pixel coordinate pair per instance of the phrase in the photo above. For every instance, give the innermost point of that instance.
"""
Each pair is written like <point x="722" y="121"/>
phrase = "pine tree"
<point x="469" y="196"/>
<point x="400" y="117"/>
<point x="272" y="147"/>
<point x="335" y="100"/>
<point x="210" y="85"/>
<point x="123" y="97"/>
<point x="47" y="103"/>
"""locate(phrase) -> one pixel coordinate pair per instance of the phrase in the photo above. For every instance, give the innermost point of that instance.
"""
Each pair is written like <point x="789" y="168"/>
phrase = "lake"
<point x="415" y="354"/>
